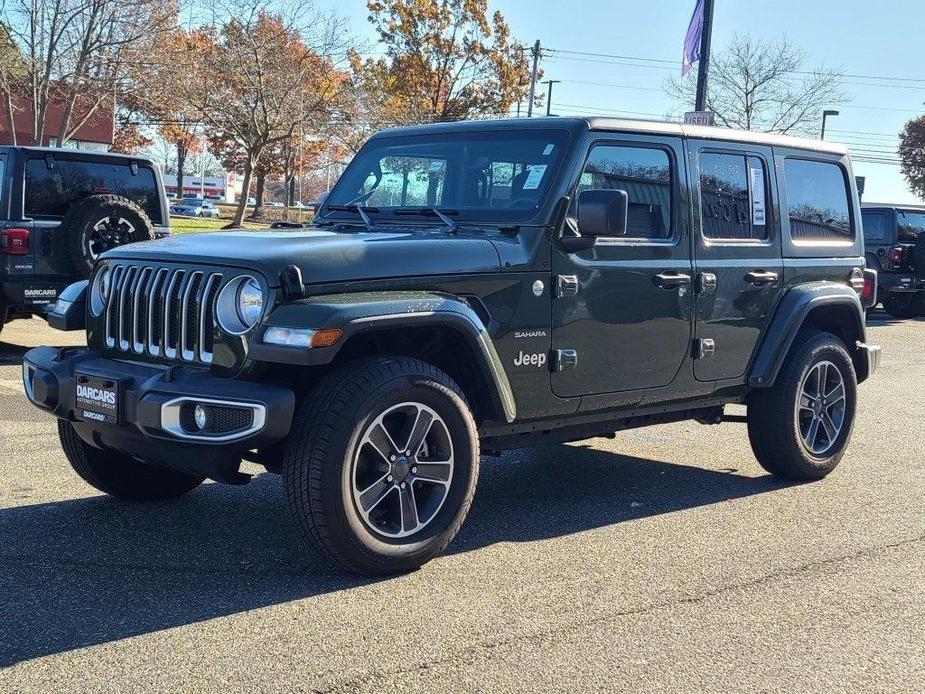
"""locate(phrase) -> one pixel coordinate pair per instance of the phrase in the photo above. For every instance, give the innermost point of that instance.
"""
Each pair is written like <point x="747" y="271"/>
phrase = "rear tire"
<point x="781" y="419"/>
<point x="382" y="504"/>
<point x="120" y="475"/>
<point x="901" y="305"/>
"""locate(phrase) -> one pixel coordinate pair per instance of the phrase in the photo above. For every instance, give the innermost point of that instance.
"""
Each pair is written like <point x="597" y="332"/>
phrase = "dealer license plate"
<point x="97" y="399"/>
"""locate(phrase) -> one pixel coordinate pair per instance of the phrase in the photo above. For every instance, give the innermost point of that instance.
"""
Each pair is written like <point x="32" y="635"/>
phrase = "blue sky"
<point x="859" y="38"/>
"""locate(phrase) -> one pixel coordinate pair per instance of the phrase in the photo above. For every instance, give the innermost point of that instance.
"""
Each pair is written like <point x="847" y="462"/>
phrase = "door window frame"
<point x="770" y="197"/>
<point x="677" y="199"/>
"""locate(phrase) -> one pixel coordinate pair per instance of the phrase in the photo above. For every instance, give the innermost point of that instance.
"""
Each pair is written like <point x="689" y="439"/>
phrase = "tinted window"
<point x="49" y="192"/>
<point x="733" y="195"/>
<point x="910" y="224"/>
<point x="495" y="174"/>
<point x="645" y="174"/>
<point x="876" y="226"/>
<point x="817" y="197"/>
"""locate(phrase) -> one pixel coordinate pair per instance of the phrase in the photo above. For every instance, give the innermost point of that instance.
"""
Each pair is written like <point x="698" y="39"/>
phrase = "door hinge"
<point x="566" y="285"/>
<point x="706" y="283"/>
<point x="564" y="359"/>
<point x="704" y="348"/>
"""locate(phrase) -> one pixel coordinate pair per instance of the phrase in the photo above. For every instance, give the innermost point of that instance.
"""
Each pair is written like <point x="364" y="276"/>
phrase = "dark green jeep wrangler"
<point x="474" y="287"/>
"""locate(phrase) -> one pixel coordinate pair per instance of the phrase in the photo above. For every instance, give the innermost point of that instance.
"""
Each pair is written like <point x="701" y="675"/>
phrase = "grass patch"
<point x="195" y="225"/>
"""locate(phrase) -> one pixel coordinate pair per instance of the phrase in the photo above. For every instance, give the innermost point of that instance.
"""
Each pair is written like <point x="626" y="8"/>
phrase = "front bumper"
<point x="153" y="407"/>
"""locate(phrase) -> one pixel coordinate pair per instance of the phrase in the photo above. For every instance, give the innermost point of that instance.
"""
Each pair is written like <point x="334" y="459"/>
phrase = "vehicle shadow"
<point x="93" y="570"/>
<point x="879" y="317"/>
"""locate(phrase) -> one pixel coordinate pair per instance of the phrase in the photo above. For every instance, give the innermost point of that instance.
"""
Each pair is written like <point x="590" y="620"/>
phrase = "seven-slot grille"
<point x="164" y="312"/>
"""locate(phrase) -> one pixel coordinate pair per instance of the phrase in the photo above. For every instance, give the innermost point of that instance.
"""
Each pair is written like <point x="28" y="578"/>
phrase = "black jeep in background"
<point x="894" y="240"/>
<point x="60" y="210"/>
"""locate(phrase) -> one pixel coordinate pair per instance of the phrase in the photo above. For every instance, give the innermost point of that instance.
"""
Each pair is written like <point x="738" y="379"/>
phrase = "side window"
<point x="817" y="198"/>
<point x="876" y="226"/>
<point x="49" y="192"/>
<point x="733" y="195"/>
<point x="646" y="176"/>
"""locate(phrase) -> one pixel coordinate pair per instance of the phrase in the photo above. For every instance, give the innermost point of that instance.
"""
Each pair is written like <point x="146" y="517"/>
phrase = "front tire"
<point x="120" y="475"/>
<point x="799" y="429"/>
<point x="382" y="464"/>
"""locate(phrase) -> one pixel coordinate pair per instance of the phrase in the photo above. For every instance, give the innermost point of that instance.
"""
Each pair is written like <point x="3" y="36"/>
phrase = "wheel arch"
<point x="441" y="329"/>
<point x="831" y="308"/>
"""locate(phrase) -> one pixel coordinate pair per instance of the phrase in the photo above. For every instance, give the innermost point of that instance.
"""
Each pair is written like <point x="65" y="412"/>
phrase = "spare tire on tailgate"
<point x="97" y="224"/>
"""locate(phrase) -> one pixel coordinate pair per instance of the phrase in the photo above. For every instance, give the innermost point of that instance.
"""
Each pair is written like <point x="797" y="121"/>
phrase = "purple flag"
<point x="692" y="40"/>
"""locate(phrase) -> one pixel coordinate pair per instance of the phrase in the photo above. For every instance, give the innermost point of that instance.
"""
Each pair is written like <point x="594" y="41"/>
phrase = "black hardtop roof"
<point x="29" y="149"/>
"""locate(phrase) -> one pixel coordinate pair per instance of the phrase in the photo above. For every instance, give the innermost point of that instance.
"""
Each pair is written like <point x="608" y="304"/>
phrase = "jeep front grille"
<point x="163" y="312"/>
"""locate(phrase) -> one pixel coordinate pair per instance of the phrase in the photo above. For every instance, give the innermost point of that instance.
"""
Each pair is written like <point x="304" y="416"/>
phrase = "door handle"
<point x="671" y="280"/>
<point x="760" y="277"/>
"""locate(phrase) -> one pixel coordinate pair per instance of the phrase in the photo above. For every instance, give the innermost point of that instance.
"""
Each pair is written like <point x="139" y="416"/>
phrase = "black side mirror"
<point x="602" y="212"/>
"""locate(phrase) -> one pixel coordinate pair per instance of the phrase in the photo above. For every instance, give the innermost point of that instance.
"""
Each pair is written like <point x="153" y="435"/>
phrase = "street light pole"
<point x="536" y="63"/>
<point x="826" y="114"/>
<point x="549" y="93"/>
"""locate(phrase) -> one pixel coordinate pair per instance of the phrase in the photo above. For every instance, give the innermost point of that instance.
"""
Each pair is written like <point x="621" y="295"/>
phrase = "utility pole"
<point x="549" y="93"/>
<point x="536" y="65"/>
<point x="703" y="65"/>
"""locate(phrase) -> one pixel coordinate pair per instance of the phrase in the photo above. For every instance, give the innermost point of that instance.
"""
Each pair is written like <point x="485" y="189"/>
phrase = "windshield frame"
<point x="399" y="214"/>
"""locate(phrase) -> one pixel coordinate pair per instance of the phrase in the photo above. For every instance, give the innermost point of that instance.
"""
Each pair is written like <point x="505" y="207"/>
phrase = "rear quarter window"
<point x="818" y="201"/>
<point x="49" y="192"/>
<point x="876" y="226"/>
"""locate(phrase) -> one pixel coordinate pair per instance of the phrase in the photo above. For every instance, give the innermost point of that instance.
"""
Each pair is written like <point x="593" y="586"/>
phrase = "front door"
<point x="737" y="257"/>
<point x="625" y="306"/>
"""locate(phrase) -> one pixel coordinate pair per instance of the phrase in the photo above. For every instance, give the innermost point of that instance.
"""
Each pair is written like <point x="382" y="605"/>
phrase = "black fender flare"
<point x="791" y="314"/>
<point x="355" y="313"/>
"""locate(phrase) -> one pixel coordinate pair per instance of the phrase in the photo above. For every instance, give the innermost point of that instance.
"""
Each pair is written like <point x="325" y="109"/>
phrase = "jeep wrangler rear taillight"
<point x="14" y="241"/>
<point x="897" y="255"/>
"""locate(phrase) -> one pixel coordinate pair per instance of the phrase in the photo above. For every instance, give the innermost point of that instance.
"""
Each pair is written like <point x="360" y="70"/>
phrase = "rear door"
<point x="737" y="254"/>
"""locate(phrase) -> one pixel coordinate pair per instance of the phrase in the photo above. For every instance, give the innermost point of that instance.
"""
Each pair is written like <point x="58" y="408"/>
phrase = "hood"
<point x="326" y="256"/>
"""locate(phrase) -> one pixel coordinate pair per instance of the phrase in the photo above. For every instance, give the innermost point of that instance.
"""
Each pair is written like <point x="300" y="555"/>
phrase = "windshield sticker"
<point x="435" y="166"/>
<point x="758" y="214"/>
<point x="536" y="175"/>
<point x="548" y="150"/>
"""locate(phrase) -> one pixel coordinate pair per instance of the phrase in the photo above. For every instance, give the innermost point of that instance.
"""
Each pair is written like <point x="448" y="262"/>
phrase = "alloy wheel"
<point x="820" y="410"/>
<point x="106" y="234"/>
<point x="402" y="470"/>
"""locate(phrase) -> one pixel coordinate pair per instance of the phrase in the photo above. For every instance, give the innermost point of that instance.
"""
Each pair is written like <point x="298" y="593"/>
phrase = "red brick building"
<point x="96" y="133"/>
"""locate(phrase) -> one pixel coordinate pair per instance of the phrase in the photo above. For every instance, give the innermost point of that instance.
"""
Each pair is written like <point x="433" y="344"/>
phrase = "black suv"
<point x="60" y="210"/>
<point x="474" y="287"/>
<point x="894" y="239"/>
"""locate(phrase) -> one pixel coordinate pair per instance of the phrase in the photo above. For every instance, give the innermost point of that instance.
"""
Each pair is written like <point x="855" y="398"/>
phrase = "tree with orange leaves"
<point x="445" y="60"/>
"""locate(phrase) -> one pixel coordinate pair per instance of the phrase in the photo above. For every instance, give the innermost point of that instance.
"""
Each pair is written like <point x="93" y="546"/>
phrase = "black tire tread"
<point x="119" y="475"/>
<point x="313" y="429"/>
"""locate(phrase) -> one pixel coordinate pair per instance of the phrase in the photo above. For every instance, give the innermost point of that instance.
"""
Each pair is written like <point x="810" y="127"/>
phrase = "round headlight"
<point x="250" y="302"/>
<point x="239" y="305"/>
<point x="99" y="292"/>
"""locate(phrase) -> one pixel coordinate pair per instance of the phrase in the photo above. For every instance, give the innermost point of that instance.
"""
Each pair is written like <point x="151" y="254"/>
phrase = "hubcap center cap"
<point x="401" y="468"/>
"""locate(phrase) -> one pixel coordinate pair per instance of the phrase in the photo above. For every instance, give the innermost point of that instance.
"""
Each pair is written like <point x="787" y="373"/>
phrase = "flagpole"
<point x="703" y="65"/>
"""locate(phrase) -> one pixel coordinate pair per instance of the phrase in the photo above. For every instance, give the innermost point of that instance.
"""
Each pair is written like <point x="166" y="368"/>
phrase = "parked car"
<point x="297" y="205"/>
<point x="579" y="277"/>
<point x="275" y="203"/>
<point x="894" y="237"/>
<point x="252" y="201"/>
<point x="195" y="207"/>
<point x="60" y="210"/>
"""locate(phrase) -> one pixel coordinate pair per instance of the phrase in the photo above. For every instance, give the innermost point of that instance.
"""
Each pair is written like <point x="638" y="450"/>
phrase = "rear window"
<point x="50" y="192"/>
<point x="876" y="226"/>
<point x="911" y="223"/>
<point x="817" y="198"/>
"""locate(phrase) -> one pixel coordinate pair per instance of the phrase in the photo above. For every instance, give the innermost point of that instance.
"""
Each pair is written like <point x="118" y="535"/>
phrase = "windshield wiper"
<point x="430" y="212"/>
<point x="362" y="211"/>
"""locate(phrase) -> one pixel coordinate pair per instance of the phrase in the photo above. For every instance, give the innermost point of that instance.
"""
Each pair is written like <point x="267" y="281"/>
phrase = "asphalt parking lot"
<point x="662" y="560"/>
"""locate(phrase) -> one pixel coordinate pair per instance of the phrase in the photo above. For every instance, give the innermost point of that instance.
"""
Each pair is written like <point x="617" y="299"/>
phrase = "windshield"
<point x="910" y="224"/>
<point x="502" y="174"/>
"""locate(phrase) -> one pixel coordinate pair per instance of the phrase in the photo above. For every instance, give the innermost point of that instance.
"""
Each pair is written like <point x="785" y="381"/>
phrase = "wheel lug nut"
<point x="414" y="470"/>
<point x="390" y="478"/>
<point x="407" y="452"/>
<point x="402" y="485"/>
<point x="392" y="457"/>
